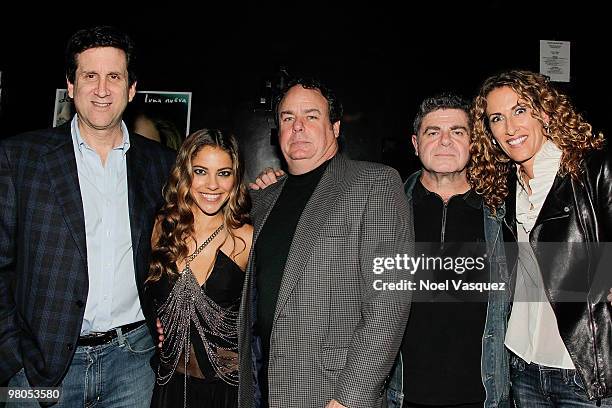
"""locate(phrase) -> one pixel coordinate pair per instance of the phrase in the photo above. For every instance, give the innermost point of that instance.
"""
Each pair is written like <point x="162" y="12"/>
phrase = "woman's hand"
<point x="160" y="332"/>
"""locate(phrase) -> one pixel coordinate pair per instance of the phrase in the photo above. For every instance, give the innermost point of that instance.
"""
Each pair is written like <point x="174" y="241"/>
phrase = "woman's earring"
<point x="494" y="142"/>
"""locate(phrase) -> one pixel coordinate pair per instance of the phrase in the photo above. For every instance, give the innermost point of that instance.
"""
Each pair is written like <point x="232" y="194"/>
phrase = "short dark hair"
<point x="334" y="105"/>
<point x="100" y="36"/>
<point x="445" y="100"/>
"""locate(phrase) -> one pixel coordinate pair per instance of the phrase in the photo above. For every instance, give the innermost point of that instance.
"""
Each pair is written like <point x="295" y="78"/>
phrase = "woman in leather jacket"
<point x="532" y="151"/>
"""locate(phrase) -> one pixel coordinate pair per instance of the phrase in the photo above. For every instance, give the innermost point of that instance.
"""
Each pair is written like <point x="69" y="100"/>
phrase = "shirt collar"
<point x="80" y="142"/>
<point x="470" y="197"/>
<point x="545" y="165"/>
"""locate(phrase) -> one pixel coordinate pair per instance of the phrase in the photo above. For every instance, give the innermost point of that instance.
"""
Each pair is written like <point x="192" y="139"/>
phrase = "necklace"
<point x="202" y="246"/>
<point x="187" y="307"/>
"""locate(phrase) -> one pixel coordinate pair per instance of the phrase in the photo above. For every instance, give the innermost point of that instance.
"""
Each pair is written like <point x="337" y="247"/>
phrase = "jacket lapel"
<point x="555" y="205"/>
<point x="61" y="167"/>
<point x="510" y="204"/>
<point x="313" y="218"/>
<point x="136" y="175"/>
<point x="556" y="202"/>
<point x="264" y="205"/>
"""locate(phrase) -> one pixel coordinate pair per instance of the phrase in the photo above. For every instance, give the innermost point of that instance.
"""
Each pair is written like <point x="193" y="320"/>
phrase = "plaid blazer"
<point x="43" y="258"/>
<point x="333" y="336"/>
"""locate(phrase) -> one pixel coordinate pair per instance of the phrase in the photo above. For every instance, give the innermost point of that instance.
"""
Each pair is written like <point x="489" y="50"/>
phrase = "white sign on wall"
<point x="555" y="60"/>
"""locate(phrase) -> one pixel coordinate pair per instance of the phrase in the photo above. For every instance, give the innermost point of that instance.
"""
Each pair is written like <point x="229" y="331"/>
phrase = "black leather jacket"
<point x="577" y="212"/>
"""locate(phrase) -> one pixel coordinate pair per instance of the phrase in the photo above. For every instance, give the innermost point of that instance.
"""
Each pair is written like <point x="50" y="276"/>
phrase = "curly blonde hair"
<point x="490" y="166"/>
<point x="176" y="221"/>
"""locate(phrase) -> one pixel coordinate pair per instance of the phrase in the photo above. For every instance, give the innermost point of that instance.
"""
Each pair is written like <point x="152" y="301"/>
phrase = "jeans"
<point x="117" y="374"/>
<point x="535" y="386"/>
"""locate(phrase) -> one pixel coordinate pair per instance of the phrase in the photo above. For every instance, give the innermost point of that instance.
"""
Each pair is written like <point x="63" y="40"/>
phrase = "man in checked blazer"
<point x="78" y="204"/>
<point x="312" y="327"/>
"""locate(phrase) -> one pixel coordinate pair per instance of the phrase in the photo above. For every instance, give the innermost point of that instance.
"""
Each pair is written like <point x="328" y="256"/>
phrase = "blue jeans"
<point x="117" y="374"/>
<point x="536" y="386"/>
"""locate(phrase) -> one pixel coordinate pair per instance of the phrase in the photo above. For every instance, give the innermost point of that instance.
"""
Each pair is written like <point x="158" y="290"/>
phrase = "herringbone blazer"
<point x="333" y="336"/>
<point x="43" y="254"/>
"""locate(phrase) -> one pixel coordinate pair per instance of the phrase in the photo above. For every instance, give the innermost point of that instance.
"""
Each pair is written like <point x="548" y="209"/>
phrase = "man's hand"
<point x="334" y="404"/>
<point x="160" y="331"/>
<point x="610" y="297"/>
<point x="266" y="178"/>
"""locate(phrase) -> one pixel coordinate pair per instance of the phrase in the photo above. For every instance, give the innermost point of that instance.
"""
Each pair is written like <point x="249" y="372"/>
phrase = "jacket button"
<point x="69" y="347"/>
<point x="566" y="209"/>
<point x="79" y="303"/>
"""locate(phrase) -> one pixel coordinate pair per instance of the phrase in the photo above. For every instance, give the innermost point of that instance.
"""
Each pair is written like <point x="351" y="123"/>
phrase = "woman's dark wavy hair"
<point x="100" y="36"/>
<point x="490" y="166"/>
<point x="176" y="221"/>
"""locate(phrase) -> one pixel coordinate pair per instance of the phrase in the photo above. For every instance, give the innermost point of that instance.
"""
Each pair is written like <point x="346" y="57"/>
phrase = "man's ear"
<point x="70" y="88"/>
<point x="415" y="143"/>
<point x="132" y="92"/>
<point x="336" y="129"/>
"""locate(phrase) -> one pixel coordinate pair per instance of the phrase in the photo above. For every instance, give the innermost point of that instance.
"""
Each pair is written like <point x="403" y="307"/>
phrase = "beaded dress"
<point x="203" y="320"/>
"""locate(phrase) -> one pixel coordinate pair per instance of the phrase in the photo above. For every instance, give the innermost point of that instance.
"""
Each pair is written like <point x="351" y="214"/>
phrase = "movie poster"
<point x="159" y="115"/>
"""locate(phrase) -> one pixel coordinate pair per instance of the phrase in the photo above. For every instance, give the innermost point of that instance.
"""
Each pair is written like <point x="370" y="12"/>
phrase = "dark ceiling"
<point x="382" y="60"/>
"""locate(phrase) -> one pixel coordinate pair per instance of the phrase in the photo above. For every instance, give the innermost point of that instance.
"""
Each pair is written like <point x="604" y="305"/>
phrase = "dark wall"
<point x="381" y="61"/>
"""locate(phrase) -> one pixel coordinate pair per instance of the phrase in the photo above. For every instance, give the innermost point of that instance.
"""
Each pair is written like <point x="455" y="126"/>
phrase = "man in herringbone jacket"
<point x="78" y="204"/>
<point x="316" y="328"/>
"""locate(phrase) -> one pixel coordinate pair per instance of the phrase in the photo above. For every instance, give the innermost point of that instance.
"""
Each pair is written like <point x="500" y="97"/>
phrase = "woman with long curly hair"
<point x="200" y="248"/>
<point x="536" y="158"/>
